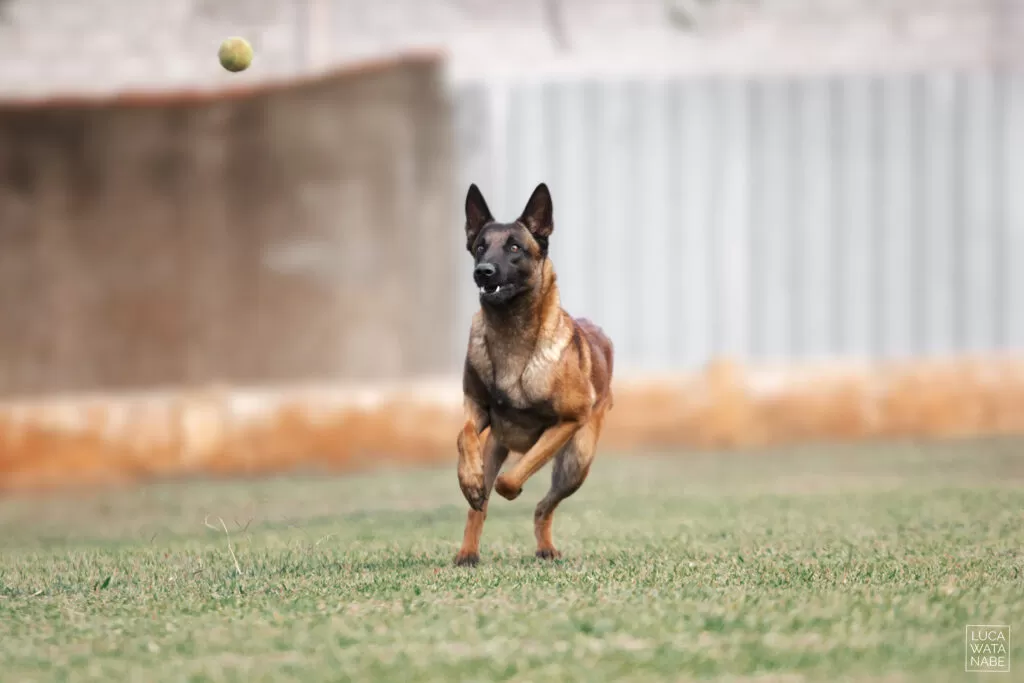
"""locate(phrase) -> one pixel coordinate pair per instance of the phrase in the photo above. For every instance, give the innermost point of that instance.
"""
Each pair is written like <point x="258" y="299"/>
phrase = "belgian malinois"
<point x="536" y="380"/>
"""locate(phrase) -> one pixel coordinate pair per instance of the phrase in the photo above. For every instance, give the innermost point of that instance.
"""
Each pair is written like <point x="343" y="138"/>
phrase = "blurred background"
<point x="775" y="182"/>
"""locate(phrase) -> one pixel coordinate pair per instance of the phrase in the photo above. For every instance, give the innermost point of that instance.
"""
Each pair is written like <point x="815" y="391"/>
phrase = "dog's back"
<point x="602" y="357"/>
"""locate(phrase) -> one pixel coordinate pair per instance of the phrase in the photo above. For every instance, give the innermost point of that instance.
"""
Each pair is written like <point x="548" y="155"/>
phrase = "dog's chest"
<point x="519" y="406"/>
<point x="515" y="382"/>
<point x="518" y="423"/>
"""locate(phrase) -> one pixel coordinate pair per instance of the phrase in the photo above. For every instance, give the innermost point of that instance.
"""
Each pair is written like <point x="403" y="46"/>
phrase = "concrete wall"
<point x="261" y="236"/>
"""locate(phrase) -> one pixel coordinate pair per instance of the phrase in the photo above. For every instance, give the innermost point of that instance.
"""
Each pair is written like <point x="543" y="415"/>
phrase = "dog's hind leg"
<point x="568" y="472"/>
<point x="494" y="455"/>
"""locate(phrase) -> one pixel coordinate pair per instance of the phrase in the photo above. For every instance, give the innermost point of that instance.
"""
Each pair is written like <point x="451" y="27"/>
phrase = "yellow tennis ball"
<point x="235" y="54"/>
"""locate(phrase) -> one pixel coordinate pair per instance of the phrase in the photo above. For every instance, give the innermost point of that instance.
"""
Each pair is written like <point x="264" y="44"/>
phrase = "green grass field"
<point x="819" y="563"/>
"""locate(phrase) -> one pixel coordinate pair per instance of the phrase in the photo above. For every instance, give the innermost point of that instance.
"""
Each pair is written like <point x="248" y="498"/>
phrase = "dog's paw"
<point x="506" y="489"/>
<point x="473" y="489"/>
<point x="476" y="499"/>
<point x="475" y="496"/>
<point x="548" y="554"/>
<point x="467" y="559"/>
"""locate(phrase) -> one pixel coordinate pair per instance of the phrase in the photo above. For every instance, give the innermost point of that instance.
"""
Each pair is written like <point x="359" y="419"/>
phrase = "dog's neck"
<point x="519" y="323"/>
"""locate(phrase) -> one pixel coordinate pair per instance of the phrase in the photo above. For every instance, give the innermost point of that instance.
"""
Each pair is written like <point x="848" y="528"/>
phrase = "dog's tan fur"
<point x="536" y="382"/>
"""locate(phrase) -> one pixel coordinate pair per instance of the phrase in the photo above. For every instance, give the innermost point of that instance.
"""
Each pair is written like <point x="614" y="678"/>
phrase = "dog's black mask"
<point x="507" y="257"/>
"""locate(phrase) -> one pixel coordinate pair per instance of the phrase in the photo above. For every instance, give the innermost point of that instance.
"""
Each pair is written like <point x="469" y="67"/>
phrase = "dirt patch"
<point x="120" y="439"/>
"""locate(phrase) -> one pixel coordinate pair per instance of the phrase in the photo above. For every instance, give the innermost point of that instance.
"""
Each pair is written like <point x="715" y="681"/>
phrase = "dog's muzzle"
<point x="484" y="274"/>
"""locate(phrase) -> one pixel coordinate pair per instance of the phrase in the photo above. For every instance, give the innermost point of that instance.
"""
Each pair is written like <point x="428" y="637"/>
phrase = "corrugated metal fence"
<point x="772" y="220"/>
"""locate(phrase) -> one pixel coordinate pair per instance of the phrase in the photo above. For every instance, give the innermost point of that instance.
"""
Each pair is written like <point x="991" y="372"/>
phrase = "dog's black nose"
<point x="483" y="273"/>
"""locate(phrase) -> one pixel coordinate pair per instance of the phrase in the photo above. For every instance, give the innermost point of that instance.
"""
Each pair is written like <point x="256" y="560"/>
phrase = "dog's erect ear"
<point x="477" y="214"/>
<point x="537" y="216"/>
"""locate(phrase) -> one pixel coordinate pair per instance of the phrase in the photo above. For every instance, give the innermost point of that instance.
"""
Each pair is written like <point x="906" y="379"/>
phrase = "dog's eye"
<point x="514" y="248"/>
<point x="480" y="249"/>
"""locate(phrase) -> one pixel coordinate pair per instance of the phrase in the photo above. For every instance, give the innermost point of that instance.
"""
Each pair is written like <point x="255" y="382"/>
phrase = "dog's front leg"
<point x="510" y="484"/>
<point x="471" y="462"/>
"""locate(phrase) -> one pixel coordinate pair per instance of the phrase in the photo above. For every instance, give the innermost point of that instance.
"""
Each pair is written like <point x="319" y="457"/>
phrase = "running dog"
<point x="536" y="380"/>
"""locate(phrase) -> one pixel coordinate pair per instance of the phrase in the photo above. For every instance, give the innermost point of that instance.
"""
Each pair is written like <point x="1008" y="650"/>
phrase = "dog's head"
<point x="508" y="257"/>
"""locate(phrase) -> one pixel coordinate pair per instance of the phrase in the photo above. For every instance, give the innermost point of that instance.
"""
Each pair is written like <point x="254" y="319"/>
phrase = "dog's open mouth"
<point x="497" y="293"/>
